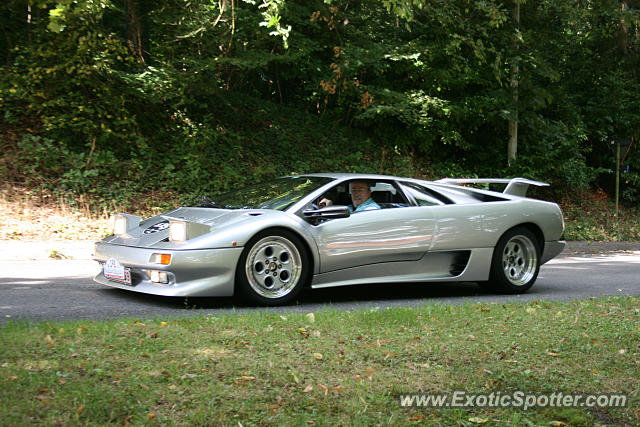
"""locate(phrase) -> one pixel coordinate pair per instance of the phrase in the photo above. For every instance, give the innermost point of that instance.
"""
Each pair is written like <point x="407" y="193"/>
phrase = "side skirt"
<point x="460" y="266"/>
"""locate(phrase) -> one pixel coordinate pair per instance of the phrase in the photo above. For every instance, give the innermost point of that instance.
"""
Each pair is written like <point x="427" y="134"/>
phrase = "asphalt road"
<point x="35" y="287"/>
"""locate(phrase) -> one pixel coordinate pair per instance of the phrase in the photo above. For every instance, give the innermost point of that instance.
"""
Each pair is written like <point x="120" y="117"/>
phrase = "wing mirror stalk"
<point x="330" y="212"/>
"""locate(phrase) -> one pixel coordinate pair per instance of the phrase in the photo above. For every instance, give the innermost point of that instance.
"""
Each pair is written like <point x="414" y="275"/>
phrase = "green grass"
<point x="337" y="368"/>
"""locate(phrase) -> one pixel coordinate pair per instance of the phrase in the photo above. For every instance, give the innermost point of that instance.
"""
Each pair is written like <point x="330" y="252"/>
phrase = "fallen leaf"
<point x="370" y="370"/>
<point x="11" y="378"/>
<point x="318" y="356"/>
<point x="247" y="378"/>
<point x="552" y="354"/>
<point x="307" y="389"/>
<point x="478" y="420"/>
<point x="303" y="332"/>
<point x="324" y="388"/>
<point x="416" y="417"/>
<point x="490" y="383"/>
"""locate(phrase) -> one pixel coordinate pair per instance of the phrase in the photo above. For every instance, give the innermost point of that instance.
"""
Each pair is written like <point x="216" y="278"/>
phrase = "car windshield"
<point x="277" y="194"/>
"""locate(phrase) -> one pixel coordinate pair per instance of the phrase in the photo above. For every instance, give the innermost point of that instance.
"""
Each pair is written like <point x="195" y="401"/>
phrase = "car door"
<point x="377" y="236"/>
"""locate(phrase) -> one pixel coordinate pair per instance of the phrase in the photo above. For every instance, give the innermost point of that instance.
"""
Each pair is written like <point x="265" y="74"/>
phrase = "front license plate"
<point x="115" y="271"/>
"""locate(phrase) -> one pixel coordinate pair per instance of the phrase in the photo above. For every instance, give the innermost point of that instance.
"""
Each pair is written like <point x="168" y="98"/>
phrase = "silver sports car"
<point x="269" y="241"/>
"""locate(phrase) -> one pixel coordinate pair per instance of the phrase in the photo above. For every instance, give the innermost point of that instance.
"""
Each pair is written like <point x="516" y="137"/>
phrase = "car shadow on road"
<point x="357" y="295"/>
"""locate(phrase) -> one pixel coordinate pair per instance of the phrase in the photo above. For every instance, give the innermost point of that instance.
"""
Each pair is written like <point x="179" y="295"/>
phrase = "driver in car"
<point x="361" y="197"/>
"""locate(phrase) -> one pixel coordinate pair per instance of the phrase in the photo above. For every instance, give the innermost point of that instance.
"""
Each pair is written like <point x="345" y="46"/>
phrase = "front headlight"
<point x="123" y="223"/>
<point x="181" y="231"/>
<point x="119" y="225"/>
<point x="178" y="231"/>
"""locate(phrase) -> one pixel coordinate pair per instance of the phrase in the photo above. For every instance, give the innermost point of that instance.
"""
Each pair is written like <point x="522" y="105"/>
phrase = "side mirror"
<point x="330" y="212"/>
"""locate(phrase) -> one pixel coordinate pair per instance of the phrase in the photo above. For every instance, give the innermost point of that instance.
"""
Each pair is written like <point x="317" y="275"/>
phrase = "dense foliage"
<point x="113" y="98"/>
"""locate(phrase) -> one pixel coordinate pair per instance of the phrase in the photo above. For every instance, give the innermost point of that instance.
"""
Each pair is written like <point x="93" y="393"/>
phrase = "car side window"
<point x="420" y="195"/>
<point x="385" y="194"/>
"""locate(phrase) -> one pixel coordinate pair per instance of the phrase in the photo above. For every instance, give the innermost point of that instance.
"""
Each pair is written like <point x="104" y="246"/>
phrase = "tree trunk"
<point x="512" y="146"/>
<point x="134" y="30"/>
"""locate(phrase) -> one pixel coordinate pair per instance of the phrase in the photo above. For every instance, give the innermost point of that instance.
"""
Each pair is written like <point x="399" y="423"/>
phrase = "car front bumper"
<point x="202" y="272"/>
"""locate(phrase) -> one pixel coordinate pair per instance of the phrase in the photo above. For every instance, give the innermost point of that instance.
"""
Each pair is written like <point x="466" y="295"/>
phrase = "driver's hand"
<point x="324" y="202"/>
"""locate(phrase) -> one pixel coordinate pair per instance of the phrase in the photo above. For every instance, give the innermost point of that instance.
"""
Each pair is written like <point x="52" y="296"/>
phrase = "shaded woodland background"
<point x="111" y="101"/>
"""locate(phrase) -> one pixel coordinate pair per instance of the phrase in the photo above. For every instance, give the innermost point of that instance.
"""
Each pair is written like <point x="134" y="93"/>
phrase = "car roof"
<point x="337" y="175"/>
<point x="455" y="193"/>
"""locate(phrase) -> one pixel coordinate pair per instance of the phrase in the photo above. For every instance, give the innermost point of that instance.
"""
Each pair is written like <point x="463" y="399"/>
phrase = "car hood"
<point x="154" y="231"/>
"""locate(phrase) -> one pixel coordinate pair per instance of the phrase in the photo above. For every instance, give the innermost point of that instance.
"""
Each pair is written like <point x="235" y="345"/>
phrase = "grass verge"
<point x="327" y="368"/>
<point x="35" y="217"/>
<point x="590" y="215"/>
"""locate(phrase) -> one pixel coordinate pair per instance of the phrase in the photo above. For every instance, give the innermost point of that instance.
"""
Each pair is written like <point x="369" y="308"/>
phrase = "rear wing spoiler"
<point x="515" y="186"/>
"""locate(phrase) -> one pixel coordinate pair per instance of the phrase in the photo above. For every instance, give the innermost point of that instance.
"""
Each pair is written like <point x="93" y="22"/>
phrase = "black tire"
<point x="515" y="263"/>
<point x="273" y="268"/>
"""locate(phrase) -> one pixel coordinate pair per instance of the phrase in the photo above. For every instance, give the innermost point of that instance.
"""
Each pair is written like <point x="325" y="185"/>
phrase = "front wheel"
<point x="272" y="269"/>
<point x="515" y="263"/>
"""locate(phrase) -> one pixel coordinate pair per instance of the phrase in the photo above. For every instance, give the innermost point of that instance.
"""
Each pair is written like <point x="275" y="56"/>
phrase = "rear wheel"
<point x="515" y="263"/>
<point x="273" y="268"/>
